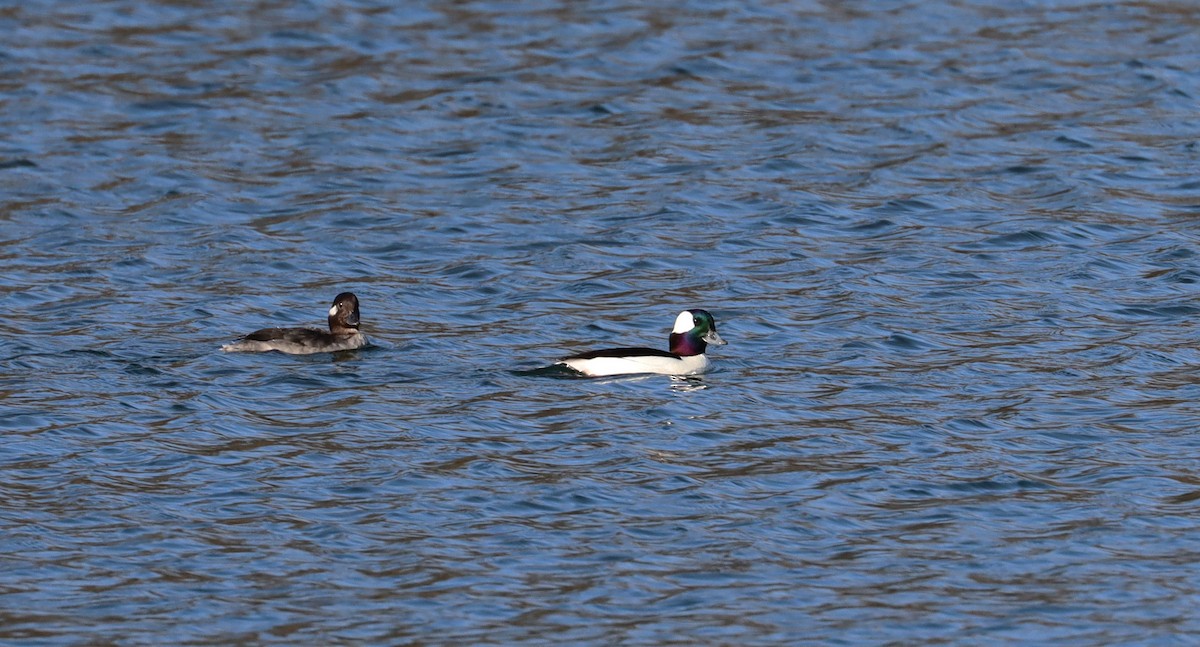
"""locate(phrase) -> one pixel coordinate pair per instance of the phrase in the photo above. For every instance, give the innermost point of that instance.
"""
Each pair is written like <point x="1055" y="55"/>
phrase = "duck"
<point x="694" y="330"/>
<point x="343" y="334"/>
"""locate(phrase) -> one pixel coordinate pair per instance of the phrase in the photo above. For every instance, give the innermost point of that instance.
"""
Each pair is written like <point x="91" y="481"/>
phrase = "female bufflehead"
<point x="694" y="331"/>
<point x="343" y="334"/>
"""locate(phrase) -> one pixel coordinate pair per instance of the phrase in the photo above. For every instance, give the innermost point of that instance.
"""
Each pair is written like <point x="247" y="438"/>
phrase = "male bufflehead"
<point x="694" y="331"/>
<point x="343" y="334"/>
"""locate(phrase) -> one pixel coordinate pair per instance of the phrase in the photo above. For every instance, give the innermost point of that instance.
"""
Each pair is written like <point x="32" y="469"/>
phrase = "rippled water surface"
<point x="953" y="247"/>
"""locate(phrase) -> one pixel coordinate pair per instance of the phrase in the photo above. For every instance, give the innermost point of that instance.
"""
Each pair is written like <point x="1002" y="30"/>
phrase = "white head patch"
<point x="332" y="310"/>
<point x="683" y="322"/>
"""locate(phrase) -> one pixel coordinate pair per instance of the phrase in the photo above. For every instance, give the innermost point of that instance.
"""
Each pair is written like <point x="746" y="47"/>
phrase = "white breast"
<point x="601" y="366"/>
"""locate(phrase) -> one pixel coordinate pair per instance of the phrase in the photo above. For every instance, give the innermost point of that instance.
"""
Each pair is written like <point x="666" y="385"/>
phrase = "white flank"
<point x="602" y="366"/>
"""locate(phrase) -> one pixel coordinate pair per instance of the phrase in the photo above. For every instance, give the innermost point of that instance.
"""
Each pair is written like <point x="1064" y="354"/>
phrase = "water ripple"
<point x="950" y="245"/>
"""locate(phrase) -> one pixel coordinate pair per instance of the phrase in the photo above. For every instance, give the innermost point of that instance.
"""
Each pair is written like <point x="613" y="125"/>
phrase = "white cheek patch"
<point x="683" y="322"/>
<point x="332" y="310"/>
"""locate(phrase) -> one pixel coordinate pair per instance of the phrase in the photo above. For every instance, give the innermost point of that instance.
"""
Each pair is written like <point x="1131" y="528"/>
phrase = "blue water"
<point x="953" y="247"/>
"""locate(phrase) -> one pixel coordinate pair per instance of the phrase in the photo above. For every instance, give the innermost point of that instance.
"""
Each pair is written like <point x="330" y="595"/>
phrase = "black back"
<point x="623" y="352"/>
<point x="305" y="336"/>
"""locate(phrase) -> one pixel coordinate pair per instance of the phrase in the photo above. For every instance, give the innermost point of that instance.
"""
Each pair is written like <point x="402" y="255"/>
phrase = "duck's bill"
<point x="713" y="338"/>
<point x="352" y="319"/>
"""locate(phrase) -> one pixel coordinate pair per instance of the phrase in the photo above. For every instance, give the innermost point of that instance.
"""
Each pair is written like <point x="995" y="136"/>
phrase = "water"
<point x="952" y="246"/>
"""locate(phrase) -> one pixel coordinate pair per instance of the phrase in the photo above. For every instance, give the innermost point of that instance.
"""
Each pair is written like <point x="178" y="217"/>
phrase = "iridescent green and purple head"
<point x="694" y="331"/>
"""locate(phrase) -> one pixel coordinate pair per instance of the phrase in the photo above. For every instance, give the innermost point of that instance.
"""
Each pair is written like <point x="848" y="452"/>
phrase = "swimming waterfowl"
<point x="343" y="334"/>
<point x="694" y="330"/>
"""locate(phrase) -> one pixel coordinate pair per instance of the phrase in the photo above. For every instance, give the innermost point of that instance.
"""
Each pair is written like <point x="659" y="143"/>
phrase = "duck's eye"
<point x="696" y="320"/>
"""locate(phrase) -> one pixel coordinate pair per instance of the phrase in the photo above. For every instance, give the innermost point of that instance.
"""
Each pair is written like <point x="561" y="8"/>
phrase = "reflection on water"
<point x="951" y="246"/>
